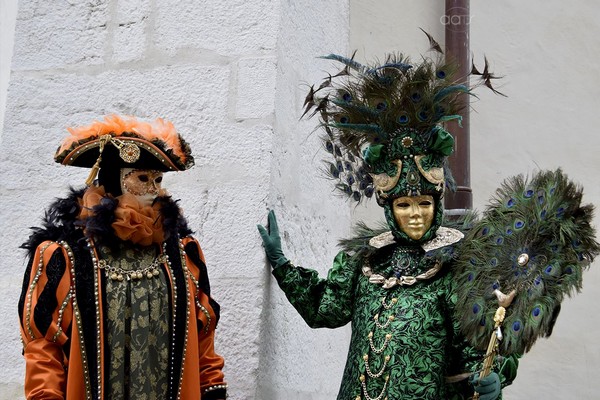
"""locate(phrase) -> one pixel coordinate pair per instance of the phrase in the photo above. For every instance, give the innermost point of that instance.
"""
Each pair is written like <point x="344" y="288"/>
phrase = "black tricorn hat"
<point x="125" y="142"/>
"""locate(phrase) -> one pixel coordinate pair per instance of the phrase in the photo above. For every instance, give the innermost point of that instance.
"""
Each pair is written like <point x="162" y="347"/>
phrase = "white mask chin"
<point x="144" y="184"/>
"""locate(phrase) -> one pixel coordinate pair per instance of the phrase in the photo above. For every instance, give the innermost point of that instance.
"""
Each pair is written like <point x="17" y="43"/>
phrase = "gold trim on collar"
<point x="443" y="237"/>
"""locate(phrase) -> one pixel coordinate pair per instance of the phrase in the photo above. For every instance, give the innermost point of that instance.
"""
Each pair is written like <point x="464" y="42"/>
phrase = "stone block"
<point x="59" y="34"/>
<point x="240" y="27"/>
<point x="256" y="87"/>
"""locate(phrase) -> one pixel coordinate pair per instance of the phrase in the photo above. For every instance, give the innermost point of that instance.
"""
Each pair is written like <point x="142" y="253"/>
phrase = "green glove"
<point x="272" y="241"/>
<point x="487" y="387"/>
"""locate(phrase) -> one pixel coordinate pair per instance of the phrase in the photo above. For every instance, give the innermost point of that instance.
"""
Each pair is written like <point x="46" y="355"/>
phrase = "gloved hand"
<point x="272" y="241"/>
<point x="487" y="387"/>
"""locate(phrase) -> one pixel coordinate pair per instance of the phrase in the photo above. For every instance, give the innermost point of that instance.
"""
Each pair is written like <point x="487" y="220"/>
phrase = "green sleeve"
<point x="323" y="303"/>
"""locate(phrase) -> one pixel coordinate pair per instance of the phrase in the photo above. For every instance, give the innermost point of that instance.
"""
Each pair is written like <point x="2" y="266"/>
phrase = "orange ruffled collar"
<point x="134" y="222"/>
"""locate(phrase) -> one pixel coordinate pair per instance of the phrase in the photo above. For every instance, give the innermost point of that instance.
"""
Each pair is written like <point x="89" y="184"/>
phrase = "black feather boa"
<point x="61" y="221"/>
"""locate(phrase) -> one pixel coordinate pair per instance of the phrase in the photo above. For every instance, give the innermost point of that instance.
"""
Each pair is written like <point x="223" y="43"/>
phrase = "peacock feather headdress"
<point x="532" y="244"/>
<point x="383" y="123"/>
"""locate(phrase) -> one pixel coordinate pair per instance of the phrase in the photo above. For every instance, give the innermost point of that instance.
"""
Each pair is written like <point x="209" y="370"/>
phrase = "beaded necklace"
<point x="378" y="352"/>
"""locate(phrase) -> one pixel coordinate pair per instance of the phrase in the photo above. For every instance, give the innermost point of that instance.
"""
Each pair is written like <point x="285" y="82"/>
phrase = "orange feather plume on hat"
<point x="116" y="125"/>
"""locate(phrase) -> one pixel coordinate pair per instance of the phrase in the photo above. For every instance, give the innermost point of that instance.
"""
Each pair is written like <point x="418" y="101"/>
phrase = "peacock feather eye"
<point x="338" y="151"/>
<point x="499" y="240"/>
<point x="381" y="106"/>
<point x="476" y="308"/>
<point x="537" y="281"/>
<point x="482" y="322"/>
<point x="536" y="311"/>
<point x="356" y="196"/>
<point x="495" y="285"/>
<point x="511" y="202"/>
<point x="549" y="269"/>
<point x="528" y="194"/>
<point x="519" y="224"/>
<point x="543" y="213"/>
<point x="348" y="166"/>
<point x="509" y="231"/>
<point x="347" y="97"/>
<point x="403" y="118"/>
<point x="340" y="166"/>
<point x="470" y="277"/>
<point x="569" y="270"/>
<point x="334" y="171"/>
<point x="493" y="261"/>
<point x="329" y="146"/>
<point x="423" y="115"/>
<point x="485" y="231"/>
<point x="440" y="74"/>
<point x="350" y="180"/>
<point x="415" y="97"/>
<point x="541" y="198"/>
<point x="369" y="192"/>
<point x="344" y="119"/>
<point x="560" y="212"/>
<point x="516" y="326"/>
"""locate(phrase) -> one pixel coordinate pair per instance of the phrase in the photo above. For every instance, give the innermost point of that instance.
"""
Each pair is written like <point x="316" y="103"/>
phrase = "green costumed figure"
<point x="396" y="285"/>
<point x="437" y="312"/>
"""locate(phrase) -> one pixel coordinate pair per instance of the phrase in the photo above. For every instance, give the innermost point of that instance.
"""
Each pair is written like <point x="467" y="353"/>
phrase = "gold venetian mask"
<point x="144" y="184"/>
<point x="414" y="214"/>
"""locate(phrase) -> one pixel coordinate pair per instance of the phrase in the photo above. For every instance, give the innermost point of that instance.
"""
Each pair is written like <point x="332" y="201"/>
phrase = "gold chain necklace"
<point x="120" y="274"/>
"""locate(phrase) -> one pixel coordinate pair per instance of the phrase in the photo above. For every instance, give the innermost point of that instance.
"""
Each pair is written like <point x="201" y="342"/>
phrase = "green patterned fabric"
<point x="404" y="341"/>
<point x="137" y="327"/>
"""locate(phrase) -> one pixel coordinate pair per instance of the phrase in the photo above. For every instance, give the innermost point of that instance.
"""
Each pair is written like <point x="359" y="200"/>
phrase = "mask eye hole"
<point x="425" y="203"/>
<point x="143" y="178"/>
<point x="402" y="205"/>
<point x="158" y="180"/>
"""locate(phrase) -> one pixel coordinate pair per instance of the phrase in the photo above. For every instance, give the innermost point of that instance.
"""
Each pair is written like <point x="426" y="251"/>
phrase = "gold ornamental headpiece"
<point x="125" y="142"/>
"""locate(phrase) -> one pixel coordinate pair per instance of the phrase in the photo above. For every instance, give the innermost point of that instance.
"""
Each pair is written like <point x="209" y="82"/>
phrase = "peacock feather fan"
<point x="535" y="237"/>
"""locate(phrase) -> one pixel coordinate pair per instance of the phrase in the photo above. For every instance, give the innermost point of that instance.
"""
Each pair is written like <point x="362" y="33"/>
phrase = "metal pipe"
<point x="456" y="19"/>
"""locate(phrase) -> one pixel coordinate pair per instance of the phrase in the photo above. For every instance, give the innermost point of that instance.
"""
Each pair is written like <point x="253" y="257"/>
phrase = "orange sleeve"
<point x="45" y="375"/>
<point x="46" y="315"/>
<point x="212" y="383"/>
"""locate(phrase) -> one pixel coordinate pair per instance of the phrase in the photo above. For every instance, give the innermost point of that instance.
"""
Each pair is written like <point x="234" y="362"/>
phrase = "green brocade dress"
<point x="405" y="342"/>
<point x="137" y="327"/>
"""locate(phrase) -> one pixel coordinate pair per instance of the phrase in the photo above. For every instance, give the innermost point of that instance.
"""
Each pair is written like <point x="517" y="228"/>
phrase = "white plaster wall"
<point x="211" y="68"/>
<point x="8" y="16"/>
<point x="549" y="55"/>
<point x="299" y="362"/>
